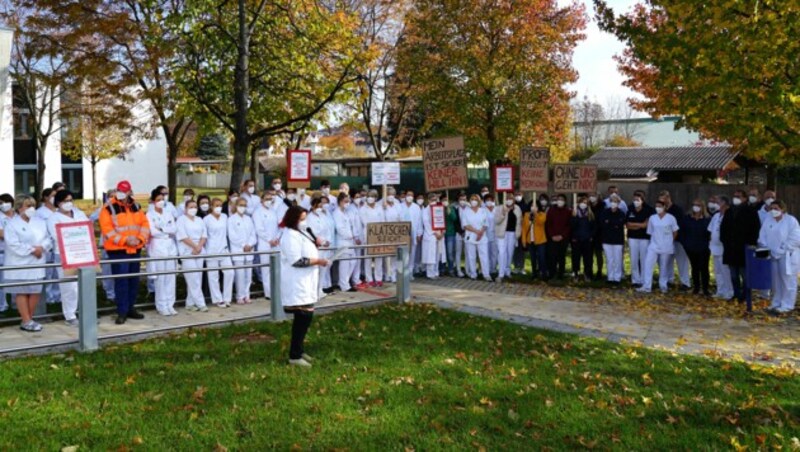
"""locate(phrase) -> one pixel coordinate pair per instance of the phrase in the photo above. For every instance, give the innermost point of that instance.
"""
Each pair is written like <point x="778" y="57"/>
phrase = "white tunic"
<point x="715" y="245"/>
<point x="783" y="240"/>
<point x="321" y="225"/>
<point x="4" y="220"/>
<point x="44" y="213"/>
<point x="253" y="202"/>
<point x="393" y="212"/>
<point x="193" y="229"/>
<point x="299" y="285"/>
<point x="429" y="241"/>
<point x="241" y="233"/>
<point x="217" y="230"/>
<point x="478" y="220"/>
<point x="662" y="240"/>
<point x="21" y="236"/>
<point x="345" y="230"/>
<point x="413" y="213"/>
<point x="371" y="215"/>
<point x="58" y="218"/>
<point x="304" y="202"/>
<point x="267" y="229"/>
<point x="168" y="207"/>
<point x="163" y="228"/>
<point x="355" y="220"/>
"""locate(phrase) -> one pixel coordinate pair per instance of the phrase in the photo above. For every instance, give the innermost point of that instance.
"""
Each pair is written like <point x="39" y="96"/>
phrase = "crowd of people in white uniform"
<point x="493" y="237"/>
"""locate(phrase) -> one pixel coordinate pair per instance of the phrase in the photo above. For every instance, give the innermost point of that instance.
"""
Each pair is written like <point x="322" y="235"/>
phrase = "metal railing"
<point x="87" y="279"/>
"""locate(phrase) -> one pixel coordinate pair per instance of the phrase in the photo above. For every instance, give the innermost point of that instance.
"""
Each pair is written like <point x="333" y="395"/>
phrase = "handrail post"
<point x="87" y="308"/>
<point x="403" y="275"/>
<point x="276" y="306"/>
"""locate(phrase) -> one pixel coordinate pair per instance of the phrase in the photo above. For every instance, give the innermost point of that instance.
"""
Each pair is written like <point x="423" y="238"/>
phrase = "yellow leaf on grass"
<point x="130" y="380"/>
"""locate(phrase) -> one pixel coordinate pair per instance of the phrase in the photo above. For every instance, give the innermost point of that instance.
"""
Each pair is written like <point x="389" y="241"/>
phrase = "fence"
<point x="87" y="280"/>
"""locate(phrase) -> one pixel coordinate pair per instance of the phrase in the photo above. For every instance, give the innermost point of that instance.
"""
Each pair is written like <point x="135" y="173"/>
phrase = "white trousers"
<point x="264" y="272"/>
<point x="682" y="259"/>
<point x="416" y="256"/>
<point x="481" y="252"/>
<point x="69" y="294"/>
<point x="224" y="294"/>
<point x="390" y="269"/>
<point x="784" y="287"/>
<point x="164" y="285"/>
<point x="346" y="268"/>
<point x="432" y="270"/>
<point x="663" y="261"/>
<point x="613" y="261"/>
<point x="460" y="251"/>
<point x="505" y="252"/>
<point x="722" y="274"/>
<point x="3" y="302"/>
<point x="355" y="269"/>
<point x="244" y="277"/>
<point x="492" y="250"/>
<point x="324" y="272"/>
<point x="374" y="269"/>
<point x="194" y="282"/>
<point x="638" y="251"/>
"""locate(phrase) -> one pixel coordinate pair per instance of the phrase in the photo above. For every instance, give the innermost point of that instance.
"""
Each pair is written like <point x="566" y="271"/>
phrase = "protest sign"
<point x="445" y="163"/>
<point x="533" y="169"/>
<point x="575" y="178"/>
<point x="503" y="179"/>
<point x="76" y="245"/>
<point x="385" y="173"/>
<point x="438" y="222"/>
<point x="298" y="168"/>
<point x="393" y="233"/>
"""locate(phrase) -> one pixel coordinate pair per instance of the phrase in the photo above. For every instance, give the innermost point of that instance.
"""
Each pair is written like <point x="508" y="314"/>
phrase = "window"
<point x="25" y="182"/>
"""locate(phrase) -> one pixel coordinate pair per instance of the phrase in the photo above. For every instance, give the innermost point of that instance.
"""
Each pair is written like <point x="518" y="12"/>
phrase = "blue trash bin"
<point x="758" y="273"/>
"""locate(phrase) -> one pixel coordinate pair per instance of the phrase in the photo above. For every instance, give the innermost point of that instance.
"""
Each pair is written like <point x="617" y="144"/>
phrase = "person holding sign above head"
<point x="477" y="224"/>
<point x="781" y="235"/>
<point x="491" y="209"/>
<point x="242" y="239"/>
<point x="431" y="241"/>
<point x="663" y="230"/>
<point x="346" y="237"/>
<point x="508" y="229"/>
<point x="27" y="243"/>
<point x="372" y="213"/>
<point x="612" y="224"/>
<point x="557" y="226"/>
<point x="66" y="212"/>
<point x="192" y="237"/>
<point x="163" y="227"/>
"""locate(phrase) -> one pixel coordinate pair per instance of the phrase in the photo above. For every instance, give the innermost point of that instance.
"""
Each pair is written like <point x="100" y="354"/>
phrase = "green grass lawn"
<point x="391" y="378"/>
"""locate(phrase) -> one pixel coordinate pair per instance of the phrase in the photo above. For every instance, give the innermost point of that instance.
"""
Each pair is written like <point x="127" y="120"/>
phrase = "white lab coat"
<point x="59" y="218"/>
<point x="52" y="292"/>
<point x="194" y="229"/>
<point x="44" y="213"/>
<point x="783" y="240"/>
<point x="69" y="291"/>
<point x="168" y="207"/>
<point x="21" y="236"/>
<point x="431" y="251"/>
<point x="217" y="243"/>
<point x="477" y="249"/>
<point x="346" y="234"/>
<point x="304" y="202"/>
<point x="4" y="219"/>
<point x="369" y="215"/>
<point x="253" y="202"/>
<point x="722" y="273"/>
<point x="163" y="227"/>
<point x="299" y="285"/>
<point x="241" y="233"/>
<point x="662" y="239"/>
<point x="323" y="228"/>
<point x="267" y="229"/>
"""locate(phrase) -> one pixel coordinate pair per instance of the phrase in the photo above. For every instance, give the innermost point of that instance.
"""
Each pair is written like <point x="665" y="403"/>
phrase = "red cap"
<point x="124" y="186"/>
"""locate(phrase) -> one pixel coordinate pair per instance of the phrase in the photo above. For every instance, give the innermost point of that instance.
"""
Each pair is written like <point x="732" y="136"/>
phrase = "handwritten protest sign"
<point x="298" y="168"/>
<point x="394" y="233"/>
<point x="385" y="173"/>
<point x="575" y="178"/>
<point x="503" y="179"/>
<point x="438" y="217"/>
<point x="76" y="245"/>
<point x="445" y="164"/>
<point x="533" y="169"/>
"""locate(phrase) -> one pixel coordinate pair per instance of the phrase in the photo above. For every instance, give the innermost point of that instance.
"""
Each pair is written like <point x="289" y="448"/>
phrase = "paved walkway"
<point x="676" y="322"/>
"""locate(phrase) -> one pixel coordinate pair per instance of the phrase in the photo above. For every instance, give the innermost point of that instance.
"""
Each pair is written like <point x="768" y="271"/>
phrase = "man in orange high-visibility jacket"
<point x="125" y="232"/>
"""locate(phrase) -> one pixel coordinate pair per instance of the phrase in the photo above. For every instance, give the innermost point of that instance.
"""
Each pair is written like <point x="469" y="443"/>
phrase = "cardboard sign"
<point x="394" y="233"/>
<point x="385" y="173"/>
<point x="503" y="178"/>
<point x="533" y="169"/>
<point x="298" y="166"/>
<point x="576" y="178"/>
<point x="438" y="217"/>
<point x="445" y="163"/>
<point x="76" y="245"/>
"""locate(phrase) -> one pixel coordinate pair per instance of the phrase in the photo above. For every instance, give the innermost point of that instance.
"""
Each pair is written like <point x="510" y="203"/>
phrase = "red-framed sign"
<point x="438" y="217"/>
<point x="77" y="245"/>
<point x="298" y="166"/>
<point x="503" y="179"/>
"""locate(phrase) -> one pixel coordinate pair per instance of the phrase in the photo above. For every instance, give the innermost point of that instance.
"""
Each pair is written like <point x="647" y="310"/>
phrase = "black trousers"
<point x="557" y="258"/>
<point x="598" y="257"/>
<point x="300" y="323"/>
<point x="582" y="251"/>
<point x="700" y="274"/>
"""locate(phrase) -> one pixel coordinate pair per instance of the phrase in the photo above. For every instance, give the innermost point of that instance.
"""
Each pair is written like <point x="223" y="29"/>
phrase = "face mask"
<point x="775" y="213"/>
<point x="267" y="203"/>
<point x="518" y="198"/>
<point x="484" y="193"/>
<point x="161" y="204"/>
<point x="252" y="190"/>
<point x="301" y="191"/>
<point x="737" y="201"/>
<point x="291" y="197"/>
<point x="462" y="203"/>
<point x="409" y="199"/>
<point x="192" y="212"/>
<point x="204" y="207"/>
<point x="233" y="200"/>
<point x="473" y="203"/>
<point x="696" y="209"/>
<point x="218" y="210"/>
<point x="357" y="201"/>
<point x="769" y="201"/>
<point x="445" y="203"/>
<point x="66" y="206"/>
<point x="318" y="210"/>
<point x="614" y="205"/>
<point x="509" y="202"/>
<point x="752" y="199"/>
<point x="51" y="200"/>
<point x="543" y="202"/>
<point x="593" y="199"/>
<point x="390" y="198"/>
<point x="583" y="206"/>
<point x="345" y="190"/>
<point x="187" y="198"/>
<point x="420" y="202"/>
<point x="30" y="212"/>
<point x="489" y="203"/>
<point x="713" y="206"/>
<point x="370" y="200"/>
<point x="560" y="203"/>
<point x="637" y="203"/>
<point x="346" y="204"/>
<point x="302" y="225"/>
<point x="241" y="209"/>
<point x="326" y="191"/>
<point x="5" y="207"/>
<point x="122" y="196"/>
<point x="659" y="210"/>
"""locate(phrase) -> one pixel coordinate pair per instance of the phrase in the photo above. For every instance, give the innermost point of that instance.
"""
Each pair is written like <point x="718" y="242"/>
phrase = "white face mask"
<point x="192" y="212"/>
<point x="659" y="210"/>
<point x="345" y="205"/>
<point x="737" y="202"/>
<point x="233" y="200"/>
<point x="370" y="200"/>
<point x="267" y="203"/>
<point x="489" y="203"/>
<point x="775" y="213"/>
<point x="445" y="203"/>
<point x="51" y="200"/>
<point x="560" y="203"/>
<point x="161" y="204"/>
<point x="241" y="209"/>
<point x="509" y="202"/>
<point x="420" y="202"/>
<point x="291" y="196"/>
<point x="473" y="203"/>
<point x="217" y="210"/>
<point x="302" y="225"/>
<point x="252" y="189"/>
<point x="30" y="212"/>
<point x="204" y="207"/>
<point x="713" y="206"/>
<point x="358" y="201"/>
<point x="326" y="191"/>
<point x="484" y="193"/>
<point x="637" y="203"/>
<point x="121" y="196"/>
<point x="583" y="206"/>
<point x="409" y="199"/>
<point x="543" y="203"/>
<point x="518" y="198"/>
<point x="592" y="199"/>
<point x="462" y="203"/>
<point x="66" y="206"/>
<point x="345" y="190"/>
<point x="5" y="207"/>
<point x="696" y="209"/>
<point x="318" y="210"/>
<point x="769" y="201"/>
<point x="615" y="205"/>
<point x="390" y="198"/>
<point x="752" y="199"/>
<point x="187" y="198"/>
<point x="301" y="191"/>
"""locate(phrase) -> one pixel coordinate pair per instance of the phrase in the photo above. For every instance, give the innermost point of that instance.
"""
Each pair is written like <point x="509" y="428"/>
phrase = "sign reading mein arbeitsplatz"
<point x="445" y="164"/>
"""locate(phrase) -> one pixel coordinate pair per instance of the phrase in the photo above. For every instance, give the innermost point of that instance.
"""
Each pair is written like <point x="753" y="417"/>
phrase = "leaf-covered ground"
<point x="392" y="378"/>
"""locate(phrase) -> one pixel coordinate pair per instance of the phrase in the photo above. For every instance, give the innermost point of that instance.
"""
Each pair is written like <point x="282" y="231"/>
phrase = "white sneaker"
<point x="172" y="311"/>
<point x="643" y="290"/>
<point x="192" y="308"/>
<point x="307" y="357"/>
<point x="71" y="322"/>
<point x="203" y="309"/>
<point x="299" y="362"/>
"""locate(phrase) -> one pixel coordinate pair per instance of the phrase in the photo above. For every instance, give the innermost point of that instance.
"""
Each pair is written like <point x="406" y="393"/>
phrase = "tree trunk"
<point x="241" y="88"/>
<point x="772" y="177"/>
<point x="254" y="163"/>
<point x="40" y="167"/>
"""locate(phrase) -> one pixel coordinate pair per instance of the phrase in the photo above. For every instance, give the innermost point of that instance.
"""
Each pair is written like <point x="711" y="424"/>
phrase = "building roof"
<point x="649" y="161"/>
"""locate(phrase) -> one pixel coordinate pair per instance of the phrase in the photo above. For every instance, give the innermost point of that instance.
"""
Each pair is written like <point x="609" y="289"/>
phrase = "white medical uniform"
<point x="69" y="291"/>
<point x="372" y="214"/>
<point x="267" y="230"/>
<point x="241" y="233"/>
<point x="345" y="237"/>
<point x="506" y="240"/>
<point x="493" y="250"/>
<point x="783" y="240"/>
<point x="477" y="248"/>
<point x="253" y="202"/>
<point x="4" y="219"/>
<point x="217" y="243"/>
<point x="21" y="236"/>
<point x="52" y="292"/>
<point x="358" y="228"/>
<point x="323" y="228"/>
<point x="194" y="229"/>
<point x="722" y="273"/>
<point x="431" y="251"/>
<point x="163" y="227"/>
<point x="299" y="285"/>
<point x="413" y="213"/>
<point x="662" y="246"/>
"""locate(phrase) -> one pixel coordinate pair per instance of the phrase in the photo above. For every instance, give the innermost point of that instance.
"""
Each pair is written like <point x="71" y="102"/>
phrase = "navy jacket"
<point x="612" y="227"/>
<point x="583" y="229"/>
<point x="695" y="234"/>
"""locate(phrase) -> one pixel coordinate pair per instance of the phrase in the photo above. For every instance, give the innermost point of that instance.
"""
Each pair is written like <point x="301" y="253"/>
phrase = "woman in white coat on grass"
<point x="65" y="213"/>
<point x="781" y="234"/>
<point x="192" y="237"/>
<point x="431" y="241"/>
<point x="322" y="227"/>
<point x="268" y="232"/>
<point x="300" y="263"/>
<point x="476" y="223"/>
<point x="242" y="239"/>
<point x="27" y="243"/>
<point x="163" y="227"/>
<point x="217" y="243"/>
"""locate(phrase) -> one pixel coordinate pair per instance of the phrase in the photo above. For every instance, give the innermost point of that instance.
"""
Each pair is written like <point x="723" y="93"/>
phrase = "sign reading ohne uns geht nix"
<point x="445" y="163"/>
<point x="575" y="178"/>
